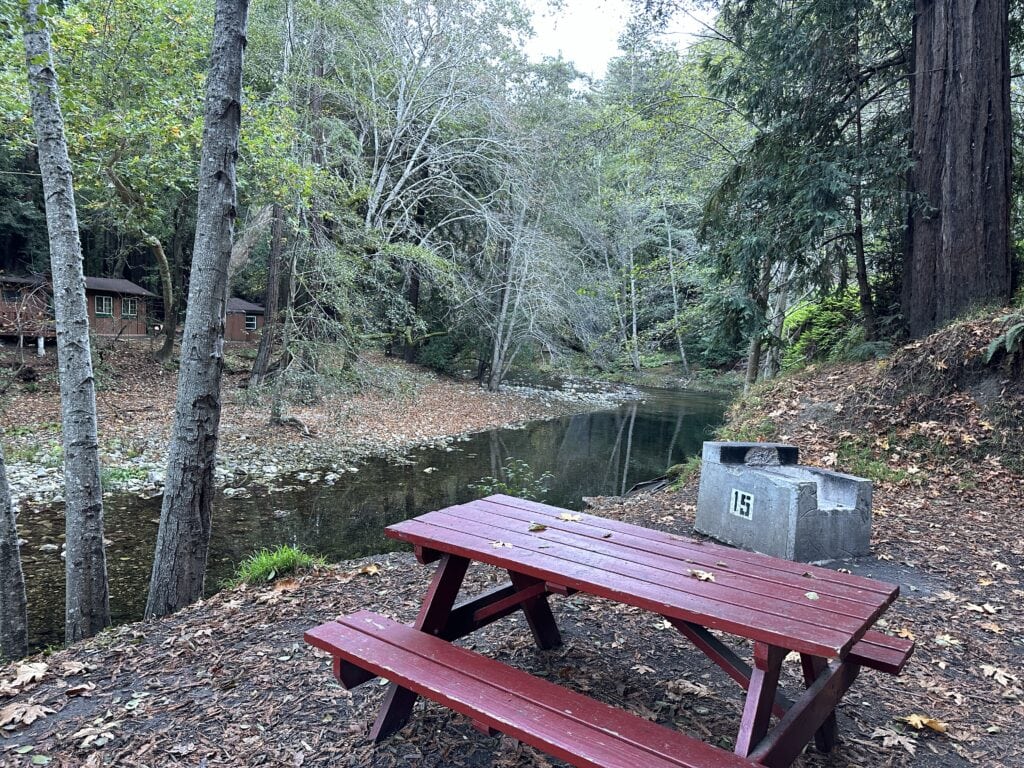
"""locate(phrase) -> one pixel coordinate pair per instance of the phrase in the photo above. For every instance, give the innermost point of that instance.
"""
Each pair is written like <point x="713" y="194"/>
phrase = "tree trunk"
<point x="262" y="361"/>
<point x="867" y="304"/>
<point x="13" y="616"/>
<point x="167" y="286"/>
<point x="183" y="541"/>
<point x="171" y="312"/>
<point x="87" y="609"/>
<point x="683" y="362"/>
<point x="960" y="252"/>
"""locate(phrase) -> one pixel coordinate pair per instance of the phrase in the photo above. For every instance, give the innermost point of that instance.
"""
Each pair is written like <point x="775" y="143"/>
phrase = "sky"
<point x="586" y="31"/>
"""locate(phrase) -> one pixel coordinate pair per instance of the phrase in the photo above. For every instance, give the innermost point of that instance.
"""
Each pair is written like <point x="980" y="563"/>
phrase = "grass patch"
<point x="681" y="474"/>
<point x="858" y="459"/>
<point x="118" y="477"/>
<point x="748" y="431"/>
<point x="269" y="564"/>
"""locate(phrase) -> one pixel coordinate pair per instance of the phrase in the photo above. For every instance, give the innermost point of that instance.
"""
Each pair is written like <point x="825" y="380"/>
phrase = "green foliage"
<point x="682" y="474"/>
<point x="821" y="330"/>
<point x="516" y="478"/>
<point x="1010" y="342"/>
<point x="443" y="354"/>
<point x="118" y="477"/>
<point x="857" y="458"/>
<point x="269" y="564"/>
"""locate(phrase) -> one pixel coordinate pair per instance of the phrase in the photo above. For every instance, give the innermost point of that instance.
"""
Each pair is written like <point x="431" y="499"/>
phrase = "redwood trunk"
<point x="87" y="609"/>
<point x="183" y="541"/>
<point x="960" y="247"/>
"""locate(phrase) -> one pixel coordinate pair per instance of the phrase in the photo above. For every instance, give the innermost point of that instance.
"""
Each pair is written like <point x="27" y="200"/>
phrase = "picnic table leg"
<point x="433" y="618"/>
<point x="825" y="737"/>
<point x="764" y="683"/>
<point x="538" y="614"/>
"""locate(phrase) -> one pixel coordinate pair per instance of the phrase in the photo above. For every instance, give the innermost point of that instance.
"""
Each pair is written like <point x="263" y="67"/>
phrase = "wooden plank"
<point x="727" y="659"/>
<point x="575" y="551"/>
<point x="813" y="668"/>
<point x="764" y="684"/>
<point x="786" y="741"/>
<point x="755" y="624"/>
<point x="433" y="618"/>
<point x="512" y="600"/>
<point x="571" y="727"/>
<point x="727" y="584"/>
<point x="882" y="652"/>
<point x="537" y="612"/>
<point x="847" y="580"/>
<point x="690" y="551"/>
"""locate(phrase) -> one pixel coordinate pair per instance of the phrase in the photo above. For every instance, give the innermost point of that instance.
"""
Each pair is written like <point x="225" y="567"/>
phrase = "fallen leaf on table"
<point x="499" y="544"/>
<point x="537" y="527"/>
<point x="570" y="517"/>
<point x="812" y="595"/>
<point x="923" y="721"/>
<point x="702" y="575"/>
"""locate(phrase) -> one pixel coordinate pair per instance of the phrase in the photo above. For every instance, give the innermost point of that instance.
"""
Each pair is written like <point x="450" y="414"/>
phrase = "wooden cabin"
<point x="117" y="307"/>
<point x="244" y="321"/>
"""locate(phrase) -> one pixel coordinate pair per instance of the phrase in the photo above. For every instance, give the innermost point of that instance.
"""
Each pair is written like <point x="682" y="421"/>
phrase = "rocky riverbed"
<point x="397" y="407"/>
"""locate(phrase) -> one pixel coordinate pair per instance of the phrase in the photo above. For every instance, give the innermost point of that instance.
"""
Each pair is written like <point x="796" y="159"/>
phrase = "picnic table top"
<point x="796" y="606"/>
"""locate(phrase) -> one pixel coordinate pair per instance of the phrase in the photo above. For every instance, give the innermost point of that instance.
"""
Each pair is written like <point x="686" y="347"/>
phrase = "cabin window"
<point x="104" y="306"/>
<point x="129" y="307"/>
<point x="250" y="322"/>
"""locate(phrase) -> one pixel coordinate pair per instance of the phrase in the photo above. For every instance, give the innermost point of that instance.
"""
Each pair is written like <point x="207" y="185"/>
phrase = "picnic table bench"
<point x="783" y="607"/>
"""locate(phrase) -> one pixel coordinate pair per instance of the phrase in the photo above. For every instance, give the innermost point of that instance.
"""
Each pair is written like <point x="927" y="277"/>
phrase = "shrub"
<point x="269" y="564"/>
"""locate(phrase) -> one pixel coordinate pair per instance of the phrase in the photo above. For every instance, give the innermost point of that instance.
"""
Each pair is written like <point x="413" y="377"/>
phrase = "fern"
<point x="1010" y="341"/>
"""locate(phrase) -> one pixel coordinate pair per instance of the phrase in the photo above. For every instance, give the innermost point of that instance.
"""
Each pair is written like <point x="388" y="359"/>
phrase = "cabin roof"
<point x="116" y="285"/>
<point x="238" y="306"/>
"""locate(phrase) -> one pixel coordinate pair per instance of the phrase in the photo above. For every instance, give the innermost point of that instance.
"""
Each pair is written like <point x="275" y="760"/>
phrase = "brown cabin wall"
<point x="234" y="328"/>
<point x="113" y="325"/>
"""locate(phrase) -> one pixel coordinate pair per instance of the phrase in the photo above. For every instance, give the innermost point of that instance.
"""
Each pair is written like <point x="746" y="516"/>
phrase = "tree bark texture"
<point x="179" y="566"/>
<point x="87" y="609"/>
<point x="262" y="361"/>
<point x="960" y="252"/>
<point x="13" y="616"/>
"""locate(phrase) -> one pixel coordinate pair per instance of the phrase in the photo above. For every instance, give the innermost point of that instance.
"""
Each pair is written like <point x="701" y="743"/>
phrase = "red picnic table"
<point x="782" y="606"/>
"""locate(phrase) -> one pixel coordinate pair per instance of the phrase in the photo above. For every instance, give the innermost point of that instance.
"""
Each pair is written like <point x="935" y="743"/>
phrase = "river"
<point x="342" y="515"/>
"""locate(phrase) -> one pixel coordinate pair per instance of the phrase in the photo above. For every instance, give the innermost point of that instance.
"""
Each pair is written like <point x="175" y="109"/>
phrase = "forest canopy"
<point x="410" y="181"/>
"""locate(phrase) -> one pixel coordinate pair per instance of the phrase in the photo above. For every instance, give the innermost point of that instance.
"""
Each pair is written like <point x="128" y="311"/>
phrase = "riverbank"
<point x="394" y="408"/>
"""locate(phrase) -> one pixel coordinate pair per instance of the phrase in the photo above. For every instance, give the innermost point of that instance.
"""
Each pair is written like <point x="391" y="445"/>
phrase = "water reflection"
<point x="601" y="453"/>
